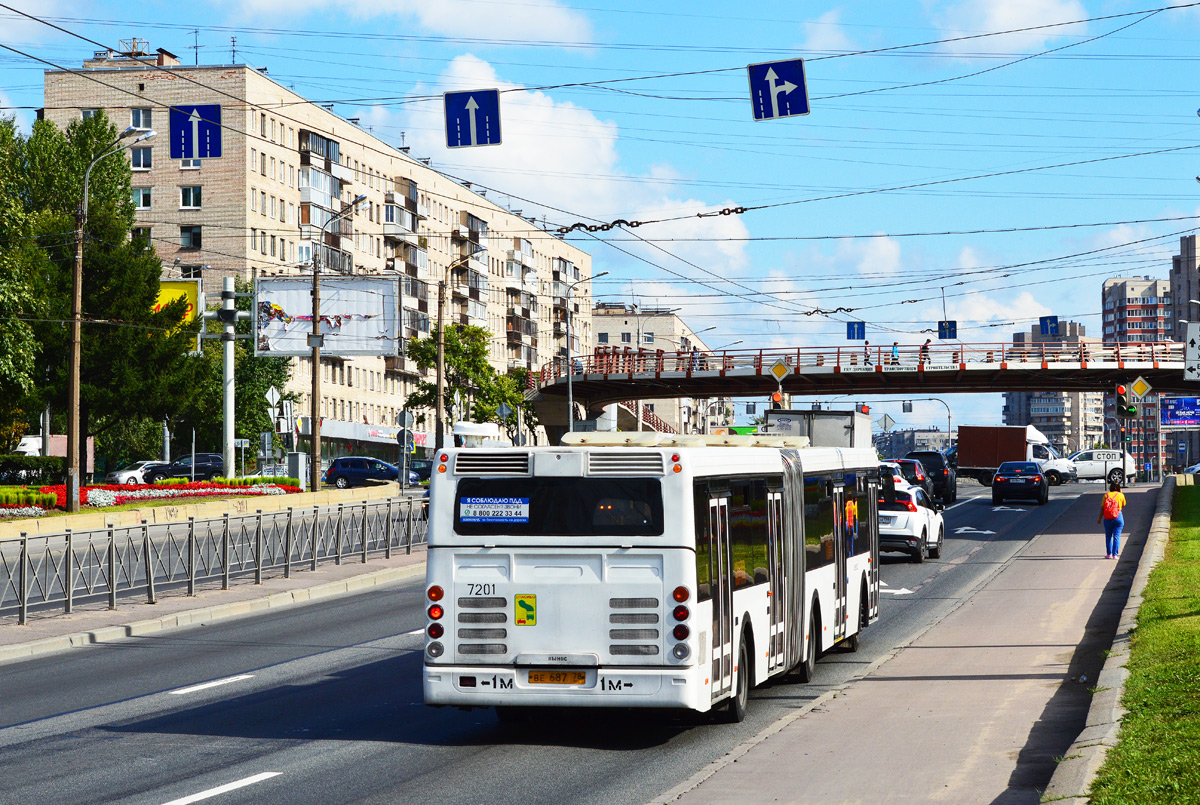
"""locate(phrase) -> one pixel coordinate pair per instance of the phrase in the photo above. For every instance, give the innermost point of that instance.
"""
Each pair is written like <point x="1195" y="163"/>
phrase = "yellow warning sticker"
<point x="526" y="614"/>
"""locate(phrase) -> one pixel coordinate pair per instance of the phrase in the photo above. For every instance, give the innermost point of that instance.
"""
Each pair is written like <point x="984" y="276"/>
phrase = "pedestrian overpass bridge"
<point x="625" y="376"/>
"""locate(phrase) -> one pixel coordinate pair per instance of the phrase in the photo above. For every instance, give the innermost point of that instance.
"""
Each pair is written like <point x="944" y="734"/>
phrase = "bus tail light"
<point x="436" y="630"/>
<point x="435" y="593"/>
<point x="681" y="594"/>
<point x="681" y="613"/>
<point x="680" y="632"/>
<point x="677" y="468"/>
<point x="436" y="612"/>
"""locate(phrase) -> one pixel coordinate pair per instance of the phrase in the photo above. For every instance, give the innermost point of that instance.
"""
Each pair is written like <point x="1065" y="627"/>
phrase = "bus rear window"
<point x="559" y="507"/>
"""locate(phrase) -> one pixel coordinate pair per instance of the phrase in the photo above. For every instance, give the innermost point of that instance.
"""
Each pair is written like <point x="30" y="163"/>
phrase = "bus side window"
<point x="703" y="543"/>
<point x="748" y="532"/>
<point x="818" y="521"/>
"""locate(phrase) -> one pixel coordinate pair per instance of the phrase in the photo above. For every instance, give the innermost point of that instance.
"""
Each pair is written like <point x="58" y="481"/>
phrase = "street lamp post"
<point x="440" y="406"/>
<point x="75" y="356"/>
<point x="314" y="341"/>
<point x="570" y="368"/>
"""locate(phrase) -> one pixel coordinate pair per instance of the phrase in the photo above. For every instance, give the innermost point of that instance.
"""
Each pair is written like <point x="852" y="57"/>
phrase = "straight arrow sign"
<point x="969" y="530"/>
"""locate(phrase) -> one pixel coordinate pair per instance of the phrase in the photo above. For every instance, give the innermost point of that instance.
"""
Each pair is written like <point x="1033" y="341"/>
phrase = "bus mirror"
<point x="889" y="491"/>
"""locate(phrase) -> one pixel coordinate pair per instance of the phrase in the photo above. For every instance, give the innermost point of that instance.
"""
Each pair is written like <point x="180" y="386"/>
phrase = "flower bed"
<point x="118" y="494"/>
<point x="17" y="510"/>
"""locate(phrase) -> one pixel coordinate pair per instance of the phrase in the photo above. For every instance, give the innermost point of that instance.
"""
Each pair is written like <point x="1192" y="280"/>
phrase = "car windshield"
<point x="909" y="469"/>
<point x="1018" y="468"/>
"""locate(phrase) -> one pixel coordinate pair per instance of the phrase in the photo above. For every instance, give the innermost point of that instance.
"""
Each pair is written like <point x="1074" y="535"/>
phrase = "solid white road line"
<point x="213" y="684"/>
<point x="221" y="789"/>
<point x="968" y="500"/>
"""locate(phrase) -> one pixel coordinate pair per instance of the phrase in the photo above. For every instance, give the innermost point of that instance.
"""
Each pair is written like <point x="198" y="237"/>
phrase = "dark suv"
<point x="344" y="472"/>
<point x="207" y="466"/>
<point x="941" y="472"/>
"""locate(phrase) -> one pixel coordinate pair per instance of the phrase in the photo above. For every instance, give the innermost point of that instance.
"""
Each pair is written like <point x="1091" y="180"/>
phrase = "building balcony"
<point x="399" y="233"/>
<point x="343" y="173"/>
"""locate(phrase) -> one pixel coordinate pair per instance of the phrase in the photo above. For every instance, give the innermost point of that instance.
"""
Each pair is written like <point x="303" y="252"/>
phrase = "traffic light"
<point x="1125" y="407"/>
<point x="777" y="400"/>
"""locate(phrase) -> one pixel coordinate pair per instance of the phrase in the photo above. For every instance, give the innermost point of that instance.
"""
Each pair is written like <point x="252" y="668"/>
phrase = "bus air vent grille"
<point x="482" y="634"/>
<point x="624" y="463"/>
<point x="632" y="651"/>
<point x="633" y="603"/>
<point x="634" y="617"/>
<point x="629" y="634"/>
<point x="479" y="462"/>
<point x="467" y="602"/>
<point x="482" y="648"/>
<point x="482" y="617"/>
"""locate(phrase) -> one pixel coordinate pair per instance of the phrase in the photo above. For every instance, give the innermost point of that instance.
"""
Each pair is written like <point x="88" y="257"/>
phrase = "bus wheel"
<point x="808" y="666"/>
<point x="735" y="708"/>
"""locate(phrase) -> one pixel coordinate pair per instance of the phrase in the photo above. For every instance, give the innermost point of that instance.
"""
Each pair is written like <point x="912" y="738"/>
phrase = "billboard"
<point x="1180" y="412"/>
<point x="359" y="316"/>
<point x="170" y="290"/>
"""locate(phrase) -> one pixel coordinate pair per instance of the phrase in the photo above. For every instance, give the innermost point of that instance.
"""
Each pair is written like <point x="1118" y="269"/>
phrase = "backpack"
<point x="1110" y="509"/>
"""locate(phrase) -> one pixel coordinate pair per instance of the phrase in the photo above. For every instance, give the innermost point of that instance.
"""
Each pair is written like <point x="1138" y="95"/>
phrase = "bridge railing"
<point x="628" y="361"/>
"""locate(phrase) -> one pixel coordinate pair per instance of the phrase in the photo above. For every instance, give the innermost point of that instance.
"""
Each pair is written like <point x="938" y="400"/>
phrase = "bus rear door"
<point x="722" y="598"/>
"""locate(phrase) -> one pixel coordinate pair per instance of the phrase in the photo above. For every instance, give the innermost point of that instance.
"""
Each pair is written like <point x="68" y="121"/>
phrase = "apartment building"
<point x="899" y="443"/>
<point x="622" y="327"/>
<point x="287" y="168"/>
<point x="1071" y="420"/>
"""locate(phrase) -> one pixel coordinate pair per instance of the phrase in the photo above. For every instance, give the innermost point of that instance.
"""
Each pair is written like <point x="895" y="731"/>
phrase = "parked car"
<point x="134" y="472"/>
<point x="354" y="471"/>
<point x="1020" y="479"/>
<point x="890" y="470"/>
<point x="944" y="476"/>
<point x="911" y="523"/>
<point x="423" y="467"/>
<point x="1109" y="465"/>
<point x="916" y="474"/>
<point x="206" y="467"/>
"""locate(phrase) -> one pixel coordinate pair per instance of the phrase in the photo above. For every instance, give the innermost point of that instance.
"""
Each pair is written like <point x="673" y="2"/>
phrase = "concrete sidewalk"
<point x="50" y="630"/>
<point x="978" y="708"/>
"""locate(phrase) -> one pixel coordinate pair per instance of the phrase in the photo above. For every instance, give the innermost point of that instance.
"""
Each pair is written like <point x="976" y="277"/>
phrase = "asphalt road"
<point x="322" y="703"/>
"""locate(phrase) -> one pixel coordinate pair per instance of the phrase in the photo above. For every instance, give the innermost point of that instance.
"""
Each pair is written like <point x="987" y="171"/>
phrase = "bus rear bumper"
<point x="485" y="686"/>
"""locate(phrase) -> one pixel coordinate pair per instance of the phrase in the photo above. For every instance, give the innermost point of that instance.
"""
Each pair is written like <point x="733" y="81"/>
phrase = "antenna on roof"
<point x="233" y="50"/>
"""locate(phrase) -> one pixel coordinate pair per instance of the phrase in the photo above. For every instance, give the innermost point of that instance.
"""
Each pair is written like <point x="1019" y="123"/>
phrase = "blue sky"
<point x="679" y="139"/>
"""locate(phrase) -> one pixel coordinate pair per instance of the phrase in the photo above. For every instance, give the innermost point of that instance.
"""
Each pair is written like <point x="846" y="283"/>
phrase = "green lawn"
<point x="1158" y="757"/>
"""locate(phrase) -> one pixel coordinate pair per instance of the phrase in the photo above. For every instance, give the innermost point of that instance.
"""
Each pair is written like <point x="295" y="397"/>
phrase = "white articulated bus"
<point x="664" y="572"/>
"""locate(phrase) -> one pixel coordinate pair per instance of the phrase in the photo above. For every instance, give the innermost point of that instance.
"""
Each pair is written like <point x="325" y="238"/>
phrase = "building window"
<point x="602" y="338"/>
<point x="262" y="243"/>
<point x="263" y="124"/>
<point x="189" y="164"/>
<point x="253" y="200"/>
<point x="253" y="239"/>
<point x="189" y="237"/>
<point x="88" y="114"/>
<point x="253" y="159"/>
<point x="647" y="338"/>
<point x="262" y="159"/>
<point x="140" y="233"/>
<point x="262" y="197"/>
<point x="191" y="272"/>
<point x="189" y="197"/>
<point x="272" y="206"/>
<point x="140" y="118"/>
<point x="140" y="159"/>
<point x="141" y="198"/>
<point x="626" y="338"/>
<point x="272" y="173"/>
<point x="272" y="245"/>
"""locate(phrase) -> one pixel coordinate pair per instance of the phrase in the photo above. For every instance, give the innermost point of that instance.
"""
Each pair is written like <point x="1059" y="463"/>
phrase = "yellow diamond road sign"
<point x="779" y="370"/>
<point x="1140" y="387"/>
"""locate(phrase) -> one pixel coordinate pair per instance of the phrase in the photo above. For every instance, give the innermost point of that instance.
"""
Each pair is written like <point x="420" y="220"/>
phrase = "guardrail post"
<point x="258" y="548"/>
<point x="363" y="535"/>
<point x="408" y="528"/>
<point x="149" y="553"/>
<point x="23" y="581"/>
<point x="287" y="546"/>
<point x="112" y="567"/>
<point x="313" y="531"/>
<point x="387" y="532"/>
<point x="338" y="552"/>
<point x="225" y="552"/>
<point x="68" y="581"/>
<point x="191" y="562"/>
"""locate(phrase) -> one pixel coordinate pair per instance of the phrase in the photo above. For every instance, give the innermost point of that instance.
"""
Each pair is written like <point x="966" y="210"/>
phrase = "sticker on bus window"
<point x="493" y="510"/>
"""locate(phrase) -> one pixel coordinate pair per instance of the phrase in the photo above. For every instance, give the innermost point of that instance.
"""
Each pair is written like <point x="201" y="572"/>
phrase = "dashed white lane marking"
<point x="221" y="789"/>
<point x="213" y="684"/>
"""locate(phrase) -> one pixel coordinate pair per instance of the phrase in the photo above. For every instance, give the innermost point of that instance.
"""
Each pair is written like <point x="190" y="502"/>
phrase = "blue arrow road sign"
<point x="195" y="132"/>
<point x="1049" y="325"/>
<point x="777" y="89"/>
<point x="472" y="118"/>
<point x="947" y="330"/>
<point x="856" y="331"/>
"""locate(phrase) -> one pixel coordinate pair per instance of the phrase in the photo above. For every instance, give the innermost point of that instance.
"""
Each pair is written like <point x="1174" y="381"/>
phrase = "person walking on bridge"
<point x="1112" y="507"/>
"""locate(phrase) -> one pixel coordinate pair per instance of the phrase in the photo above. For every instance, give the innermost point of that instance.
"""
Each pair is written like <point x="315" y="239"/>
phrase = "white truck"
<point x="981" y="449"/>
<point x="1106" y="464"/>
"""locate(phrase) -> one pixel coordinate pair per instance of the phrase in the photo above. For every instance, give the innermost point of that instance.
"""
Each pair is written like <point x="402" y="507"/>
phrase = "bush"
<point x="36" y="470"/>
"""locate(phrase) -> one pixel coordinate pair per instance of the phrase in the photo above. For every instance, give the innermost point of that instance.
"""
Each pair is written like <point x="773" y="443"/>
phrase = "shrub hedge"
<point x="34" y="470"/>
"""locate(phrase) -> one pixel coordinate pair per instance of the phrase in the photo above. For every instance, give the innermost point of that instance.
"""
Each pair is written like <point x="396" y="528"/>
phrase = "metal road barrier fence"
<point x="80" y="566"/>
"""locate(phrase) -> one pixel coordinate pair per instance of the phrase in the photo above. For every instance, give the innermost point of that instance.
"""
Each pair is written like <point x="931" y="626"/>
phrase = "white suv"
<point x="1101" y="463"/>
<point x="912" y="524"/>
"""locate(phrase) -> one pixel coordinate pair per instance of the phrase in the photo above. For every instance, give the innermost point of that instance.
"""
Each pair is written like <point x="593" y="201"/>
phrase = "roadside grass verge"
<point x="1157" y="758"/>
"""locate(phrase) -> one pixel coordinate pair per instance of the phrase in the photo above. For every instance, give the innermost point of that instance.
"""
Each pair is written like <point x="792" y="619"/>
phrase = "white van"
<point x="1102" y="463"/>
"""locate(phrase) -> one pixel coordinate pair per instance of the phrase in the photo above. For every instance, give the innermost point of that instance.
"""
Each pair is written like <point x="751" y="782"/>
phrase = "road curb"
<point x="1079" y="767"/>
<point x="210" y="614"/>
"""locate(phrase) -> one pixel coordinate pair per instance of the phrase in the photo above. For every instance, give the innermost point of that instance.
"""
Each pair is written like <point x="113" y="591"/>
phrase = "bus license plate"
<point x="557" y="677"/>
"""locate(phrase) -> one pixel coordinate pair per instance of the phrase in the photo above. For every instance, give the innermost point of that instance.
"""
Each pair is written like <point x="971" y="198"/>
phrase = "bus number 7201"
<point x="481" y="589"/>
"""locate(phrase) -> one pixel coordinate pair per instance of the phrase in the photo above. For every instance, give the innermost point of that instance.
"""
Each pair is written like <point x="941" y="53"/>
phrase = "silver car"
<point x="133" y="473"/>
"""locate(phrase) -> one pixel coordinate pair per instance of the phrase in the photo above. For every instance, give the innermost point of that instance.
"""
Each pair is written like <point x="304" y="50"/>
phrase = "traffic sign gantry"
<point x="777" y="89"/>
<point x="472" y="118"/>
<point x="195" y="131"/>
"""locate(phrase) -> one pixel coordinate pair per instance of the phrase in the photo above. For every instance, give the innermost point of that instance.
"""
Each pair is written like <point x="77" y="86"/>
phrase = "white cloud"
<point x="18" y="29"/>
<point x="968" y="17"/>
<point x="545" y="21"/>
<point x="825" y="34"/>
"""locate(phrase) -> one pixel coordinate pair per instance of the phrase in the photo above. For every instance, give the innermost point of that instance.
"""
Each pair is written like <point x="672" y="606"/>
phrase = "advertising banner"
<point x="1180" y="412"/>
<point x="359" y="316"/>
<point x="171" y="290"/>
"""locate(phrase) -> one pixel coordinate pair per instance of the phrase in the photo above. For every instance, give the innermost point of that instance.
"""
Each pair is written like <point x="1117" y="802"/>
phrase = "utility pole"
<point x="229" y="316"/>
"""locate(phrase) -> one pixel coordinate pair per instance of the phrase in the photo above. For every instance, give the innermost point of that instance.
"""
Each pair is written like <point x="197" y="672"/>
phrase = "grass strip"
<point x="1157" y="758"/>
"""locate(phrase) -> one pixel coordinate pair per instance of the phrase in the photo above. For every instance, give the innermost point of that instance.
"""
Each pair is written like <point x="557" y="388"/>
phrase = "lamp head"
<point x="145" y="135"/>
<point x="128" y="132"/>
